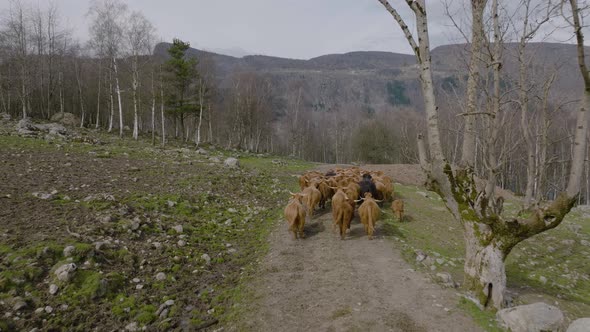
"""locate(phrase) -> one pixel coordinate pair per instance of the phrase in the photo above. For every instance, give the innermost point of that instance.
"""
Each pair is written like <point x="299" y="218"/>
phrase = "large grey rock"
<point x="579" y="325"/>
<point x="53" y="128"/>
<point x="69" y="251"/>
<point x="65" y="272"/>
<point x="26" y="127"/>
<point x="231" y="162"/>
<point x="531" y="318"/>
<point x="65" y="118"/>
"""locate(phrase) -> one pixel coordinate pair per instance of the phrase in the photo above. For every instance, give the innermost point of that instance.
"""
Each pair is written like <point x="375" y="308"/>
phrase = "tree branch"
<point x="403" y="24"/>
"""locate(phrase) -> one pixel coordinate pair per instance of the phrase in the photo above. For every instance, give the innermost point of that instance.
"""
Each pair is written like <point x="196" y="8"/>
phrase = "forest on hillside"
<point x="116" y="82"/>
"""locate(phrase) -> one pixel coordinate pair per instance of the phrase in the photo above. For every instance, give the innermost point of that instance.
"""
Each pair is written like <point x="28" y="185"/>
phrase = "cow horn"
<point x="358" y="200"/>
<point x="378" y="201"/>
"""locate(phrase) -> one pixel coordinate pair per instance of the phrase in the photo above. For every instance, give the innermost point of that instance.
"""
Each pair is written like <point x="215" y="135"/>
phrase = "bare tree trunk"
<point x="544" y="139"/>
<point x="575" y="175"/>
<point x="134" y="85"/>
<point x="81" y="98"/>
<point x="468" y="151"/>
<point x="98" y="94"/>
<point x="24" y="90"/>
<point x="162" y="108"/>
<point x="153" y="110"/>
<point x="61" y="93"/>
<point x="118" y="97"/>
<point x="201" y="108"/>
<point x="112" y="102"/>
<point x="210" y="133"/>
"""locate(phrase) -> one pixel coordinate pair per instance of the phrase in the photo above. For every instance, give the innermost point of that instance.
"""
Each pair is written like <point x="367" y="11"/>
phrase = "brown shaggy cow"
<point x="397" y="207"/>
<point x="342" y="212"/>
<point x="369" y="212"/>
<point x="295" y="213"/>
<point x="312" y="198"/>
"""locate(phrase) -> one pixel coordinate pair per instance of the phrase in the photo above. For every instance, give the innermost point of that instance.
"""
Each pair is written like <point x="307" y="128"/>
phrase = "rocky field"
<point x="98" y="233"/>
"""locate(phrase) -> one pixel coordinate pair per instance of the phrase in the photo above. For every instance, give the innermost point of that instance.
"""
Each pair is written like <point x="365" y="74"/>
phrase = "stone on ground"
<point x="531" y="317"/>
<point x="579" y="325"/>
<point x="231" y="162"/>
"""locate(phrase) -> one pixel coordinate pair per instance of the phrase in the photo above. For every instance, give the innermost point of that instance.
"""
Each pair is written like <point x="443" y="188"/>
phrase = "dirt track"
<point x="322" y="283"/>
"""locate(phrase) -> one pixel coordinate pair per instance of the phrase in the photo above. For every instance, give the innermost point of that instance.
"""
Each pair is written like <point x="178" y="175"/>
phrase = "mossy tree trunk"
<point x="489" y="237"/>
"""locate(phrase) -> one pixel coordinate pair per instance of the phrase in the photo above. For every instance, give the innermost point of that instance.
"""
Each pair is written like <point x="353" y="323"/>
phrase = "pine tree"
<point x="182" y="72"/>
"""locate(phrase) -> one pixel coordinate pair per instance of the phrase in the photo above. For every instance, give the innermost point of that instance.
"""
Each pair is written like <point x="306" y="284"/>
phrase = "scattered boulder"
<point x="65" y="118"/>
<point x="531" y="317"/>
<point x="53" y="289"/>
<point x="446" y="279"/>
<point x="420" y="256"/>
<point x="231" y="162"/>
<point x="206" y="258"/>
<point x="161" y="276"/>
<point x="163" y="309"/>
<point x="48" y="309"/>
<point x="19" y="304"/>
<point x="65" y="272"/>
<point x="53" y="129"/>
<point x="69" y="251"/>
<point x="579" y="325"/>
<point x="26" y="128"/>
<point x="135" y="224"/>
<point x="45" y="196"/>
<point x="181" y="243"/>
<point x="178" y="228"/>
<point x="201" y="151"/>
<point x="132" y="327"/>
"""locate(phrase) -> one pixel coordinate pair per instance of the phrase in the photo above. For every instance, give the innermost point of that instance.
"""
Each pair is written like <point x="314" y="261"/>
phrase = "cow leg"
<point x="301" y="233"/>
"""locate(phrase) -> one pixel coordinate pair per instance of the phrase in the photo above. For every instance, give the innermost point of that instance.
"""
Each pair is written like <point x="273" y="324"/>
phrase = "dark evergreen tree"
<point x="182" y="72"/>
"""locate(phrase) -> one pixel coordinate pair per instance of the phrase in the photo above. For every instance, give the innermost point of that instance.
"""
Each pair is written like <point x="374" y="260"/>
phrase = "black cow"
<point x="367" y="185"/>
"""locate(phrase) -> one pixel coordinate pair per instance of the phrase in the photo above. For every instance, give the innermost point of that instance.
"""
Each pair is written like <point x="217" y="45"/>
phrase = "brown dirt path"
<point x="322" y="283"/>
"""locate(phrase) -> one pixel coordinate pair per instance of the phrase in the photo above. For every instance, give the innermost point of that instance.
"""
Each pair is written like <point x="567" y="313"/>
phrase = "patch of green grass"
<point x="122" y="305"/>
<point x="485" y="319"/>
<point x="24" y="143"/>
<point x="146" y="314"/>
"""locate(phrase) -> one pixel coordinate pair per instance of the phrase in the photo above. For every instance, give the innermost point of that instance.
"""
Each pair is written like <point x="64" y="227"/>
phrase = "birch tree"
<point x="16" y="35"/>
<point x="106" y="34"/>
<point x="139" y="36"/>
<point x="489" y="236"/>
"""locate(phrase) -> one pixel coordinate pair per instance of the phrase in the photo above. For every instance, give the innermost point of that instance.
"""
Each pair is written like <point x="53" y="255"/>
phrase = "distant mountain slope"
<point x="383" y="80"/>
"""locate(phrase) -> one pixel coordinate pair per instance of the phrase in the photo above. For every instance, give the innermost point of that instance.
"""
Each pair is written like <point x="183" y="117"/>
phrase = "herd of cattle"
<point x="344" y="188"/>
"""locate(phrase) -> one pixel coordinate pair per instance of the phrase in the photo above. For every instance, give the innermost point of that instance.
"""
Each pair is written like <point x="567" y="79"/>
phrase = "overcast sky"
<point x="286" y="28"/>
